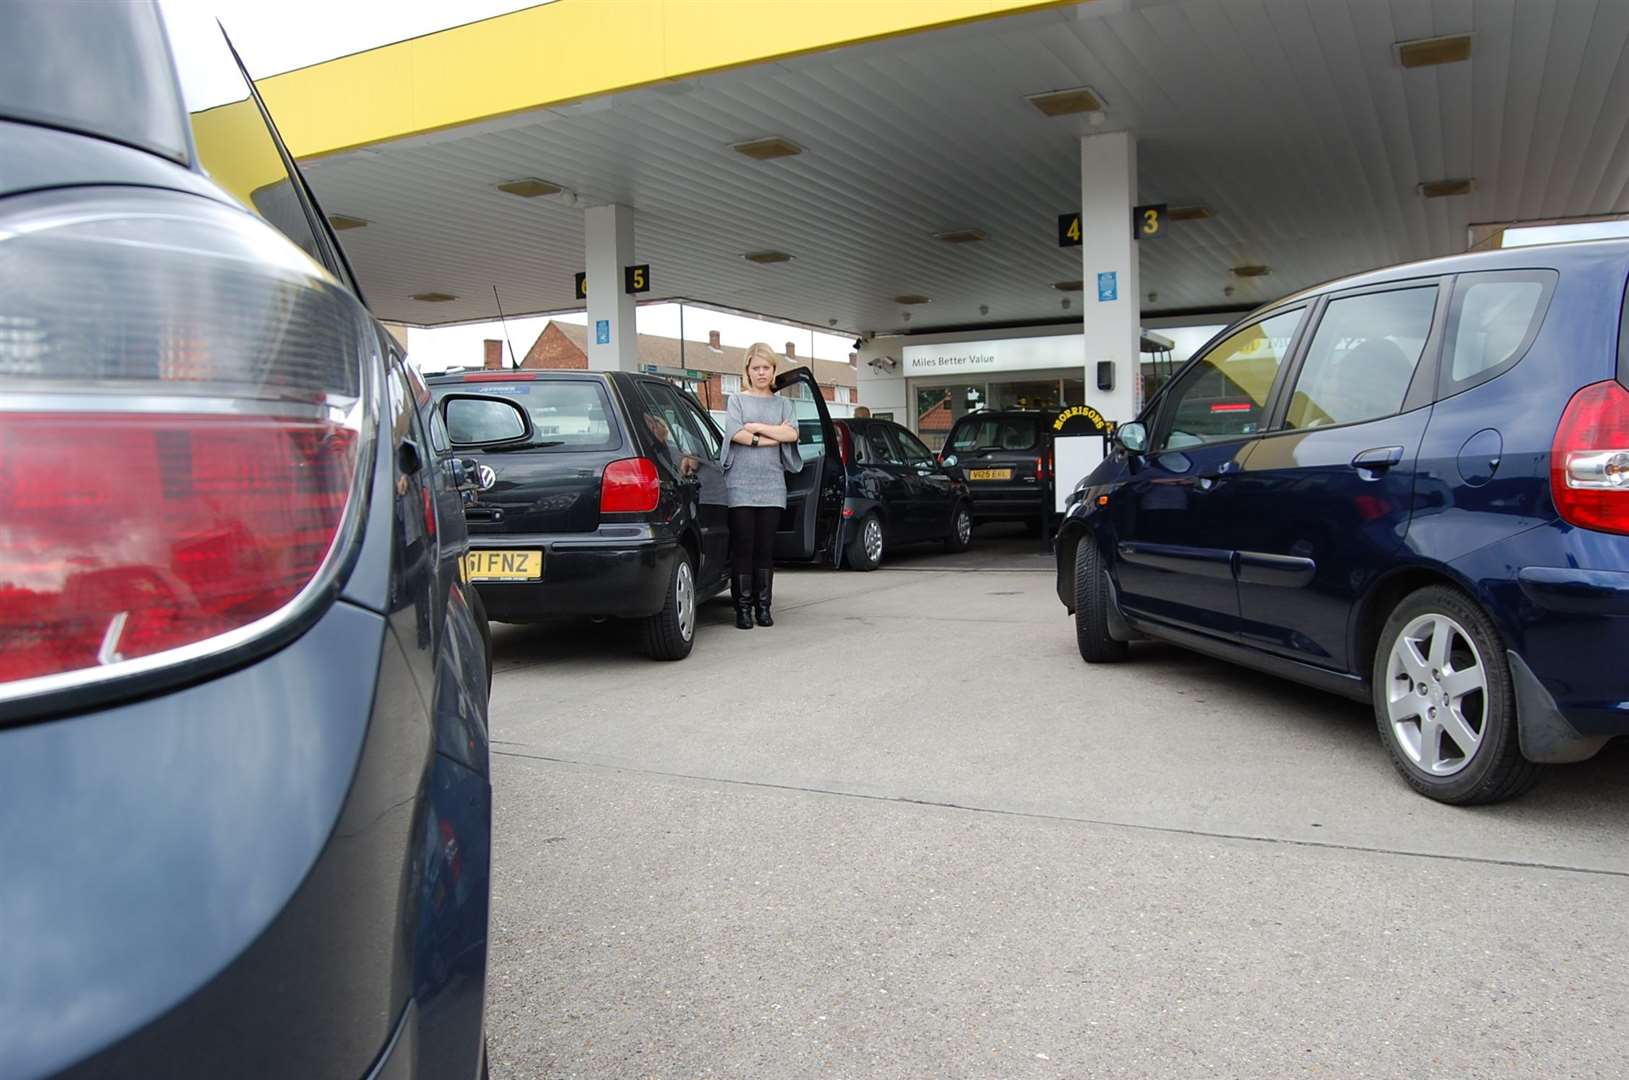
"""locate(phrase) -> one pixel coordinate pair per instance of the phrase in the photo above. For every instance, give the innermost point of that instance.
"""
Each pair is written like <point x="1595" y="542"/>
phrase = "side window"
<point x="234" y="144"/>
<point x="911" y="446"/>
<point x="879" y="448"/>
<point x="1223" y="395"/>
<point x="811" y="435"/>
<point x="703" y="430"/>
<point x="1492" y="320"/>
<point x="666" y="419"/>
<point x="1362" y="358"/>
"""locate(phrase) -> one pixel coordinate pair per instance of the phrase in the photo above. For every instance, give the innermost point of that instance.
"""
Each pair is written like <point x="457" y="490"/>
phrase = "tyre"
<point x="1444" y="701"/>
<point x="1092" y="607"/>
<point x="865" y="547"/>
<point x="670" y="633"/>
<point x="960" y="537"/>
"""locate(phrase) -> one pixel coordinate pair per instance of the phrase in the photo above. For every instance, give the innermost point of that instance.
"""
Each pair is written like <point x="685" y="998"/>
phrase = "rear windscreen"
<point x="996" y="433"/>
<point x="565" y="415"/>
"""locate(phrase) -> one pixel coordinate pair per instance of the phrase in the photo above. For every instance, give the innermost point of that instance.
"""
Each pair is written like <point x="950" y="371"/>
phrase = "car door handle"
<point x="1209" y="477"/>
<point x="1381" y="457"/>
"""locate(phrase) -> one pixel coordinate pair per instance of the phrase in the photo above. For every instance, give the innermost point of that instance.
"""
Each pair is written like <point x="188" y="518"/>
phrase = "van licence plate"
<point x="503" y="565"/>
<point x="989" y="474"/>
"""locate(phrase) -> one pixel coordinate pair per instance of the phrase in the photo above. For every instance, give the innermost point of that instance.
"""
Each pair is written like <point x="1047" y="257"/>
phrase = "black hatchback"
<point x="1006" y="460"/>
<point x="604" y="498"/>
<point x="897" y="493"/>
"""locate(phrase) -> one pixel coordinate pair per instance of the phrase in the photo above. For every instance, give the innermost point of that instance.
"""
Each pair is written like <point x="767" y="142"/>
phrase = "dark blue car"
<point x="245" y="808"/>
<point x="1410" y="487"/>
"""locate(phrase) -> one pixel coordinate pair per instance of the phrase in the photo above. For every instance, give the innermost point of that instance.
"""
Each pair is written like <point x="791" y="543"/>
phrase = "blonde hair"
<point x="758" y="350"/>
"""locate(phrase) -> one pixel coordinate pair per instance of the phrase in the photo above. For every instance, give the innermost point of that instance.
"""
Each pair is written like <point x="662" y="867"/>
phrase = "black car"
<point x="897" y="493"/>
<point x="1006" y="460"/>
<point x="245" y="806"/>
<point x="604" y="499"/>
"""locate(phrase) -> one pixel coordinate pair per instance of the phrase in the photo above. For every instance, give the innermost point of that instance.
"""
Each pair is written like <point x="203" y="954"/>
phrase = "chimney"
<point x="791" y="350"/>
<point x="712" y="340"/>
<point x="494" y="354"/>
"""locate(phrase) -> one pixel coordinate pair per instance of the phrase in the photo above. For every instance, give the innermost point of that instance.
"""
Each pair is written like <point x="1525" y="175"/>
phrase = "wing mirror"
<point x="1132" y="437"/>
<point x="481" y="422"/>
<point x="948" y="461"/>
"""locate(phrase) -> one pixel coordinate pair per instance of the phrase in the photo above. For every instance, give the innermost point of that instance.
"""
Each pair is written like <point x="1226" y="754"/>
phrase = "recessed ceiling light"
<point x="767" y="257"/>
<point x="529" y="187"/>
<point x="911" y="298"/>
<point x="345" y="221"/>
<point x="1082" y="99"/>
<point x="1252" y="271"/>
<point x="1427" y="52"/>
<point x="1440" y="189"/>
<point x="433" y="297"/>
<point x="1189" y="213"/>
<point x="961" y="236"/>
<point x="768" y="149"/>
<point x="1069" y="286"/>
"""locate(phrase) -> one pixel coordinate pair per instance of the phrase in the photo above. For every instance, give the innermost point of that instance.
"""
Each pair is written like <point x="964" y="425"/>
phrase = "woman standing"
<point x="762" y="434"/>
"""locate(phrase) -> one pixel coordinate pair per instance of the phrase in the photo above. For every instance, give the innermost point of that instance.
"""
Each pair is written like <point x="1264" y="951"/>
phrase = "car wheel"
<point x="961" y="529"/>
<point x="1092" y="607"/>
<point x="670" y="633"/>
<point x="1444" y="701"/>
<point x="865" y="549"/>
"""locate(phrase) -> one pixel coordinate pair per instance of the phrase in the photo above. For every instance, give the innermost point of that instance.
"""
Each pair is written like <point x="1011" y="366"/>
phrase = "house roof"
<point x="698" y="356"/>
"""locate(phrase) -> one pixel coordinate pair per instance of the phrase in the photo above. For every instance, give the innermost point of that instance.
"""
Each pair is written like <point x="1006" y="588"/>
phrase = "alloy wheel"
<point x="964" y="526"/>
<point x="684" y="594"/>
<point x="1436" y="694"/>
<point x="873" y="539"/>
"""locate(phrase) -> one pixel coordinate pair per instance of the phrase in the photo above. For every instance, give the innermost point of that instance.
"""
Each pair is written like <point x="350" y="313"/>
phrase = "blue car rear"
<point x="1446" y="433"/>
<point x="245" y="808"/>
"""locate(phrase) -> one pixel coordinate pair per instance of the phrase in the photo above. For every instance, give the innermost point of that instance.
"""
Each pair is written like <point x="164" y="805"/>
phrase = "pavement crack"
<point x="1169" y="830"/>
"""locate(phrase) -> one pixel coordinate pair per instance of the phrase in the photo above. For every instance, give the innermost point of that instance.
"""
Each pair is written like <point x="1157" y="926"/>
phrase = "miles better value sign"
<point x="1006" y="354"/>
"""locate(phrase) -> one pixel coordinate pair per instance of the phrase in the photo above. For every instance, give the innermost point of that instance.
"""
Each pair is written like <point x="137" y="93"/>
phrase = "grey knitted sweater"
<point x="756" y="475"/>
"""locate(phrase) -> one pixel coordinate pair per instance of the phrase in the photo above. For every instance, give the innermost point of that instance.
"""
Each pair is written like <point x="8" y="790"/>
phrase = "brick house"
<point x="564" y="346"/>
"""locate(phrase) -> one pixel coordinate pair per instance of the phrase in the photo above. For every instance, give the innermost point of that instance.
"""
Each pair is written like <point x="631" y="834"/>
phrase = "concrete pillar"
<point x="881" y="381"/>
<point x="613" y="341"/>
<point x="1108" y="191"/>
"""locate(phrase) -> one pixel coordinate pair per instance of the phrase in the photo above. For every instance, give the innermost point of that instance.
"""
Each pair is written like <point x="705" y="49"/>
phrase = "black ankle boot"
<point x="763" y="584"/>
<point x="741" y="591"/>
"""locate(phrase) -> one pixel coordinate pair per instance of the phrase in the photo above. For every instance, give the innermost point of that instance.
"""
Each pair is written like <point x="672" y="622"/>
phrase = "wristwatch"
<point x="754" y="438"/>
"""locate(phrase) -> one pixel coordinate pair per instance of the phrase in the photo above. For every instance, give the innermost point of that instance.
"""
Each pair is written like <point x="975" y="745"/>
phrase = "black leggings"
<point x="752" y="537"/>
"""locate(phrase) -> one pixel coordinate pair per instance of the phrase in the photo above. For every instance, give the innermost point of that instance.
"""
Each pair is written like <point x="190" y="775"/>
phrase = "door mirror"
<point x="949" y="461"/>
<point x="1132" y="436"/>
<point x="474" y="420"/>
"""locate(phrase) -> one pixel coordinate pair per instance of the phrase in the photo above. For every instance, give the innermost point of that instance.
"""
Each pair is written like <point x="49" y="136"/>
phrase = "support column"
<point x="1111" y="298"/>
<point x="613" y="342"/>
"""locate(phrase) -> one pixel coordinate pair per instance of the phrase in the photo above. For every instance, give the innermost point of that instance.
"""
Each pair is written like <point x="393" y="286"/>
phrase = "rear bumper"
<point x="255" y="873"/>
<point x="622" y="577"/>
<point x="1007" y="502"/>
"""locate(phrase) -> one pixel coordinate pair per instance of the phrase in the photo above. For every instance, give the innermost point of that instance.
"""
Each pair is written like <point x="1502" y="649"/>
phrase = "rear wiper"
<point x="525" y="446"/>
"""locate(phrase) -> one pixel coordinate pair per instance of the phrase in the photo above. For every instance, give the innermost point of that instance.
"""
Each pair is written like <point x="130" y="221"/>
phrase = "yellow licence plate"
<point x="503" y="565"/>
<point x="989" y="474"/>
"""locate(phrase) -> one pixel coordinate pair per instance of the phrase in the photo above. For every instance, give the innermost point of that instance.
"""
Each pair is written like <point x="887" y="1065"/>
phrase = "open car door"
<point x="811" y="528"/>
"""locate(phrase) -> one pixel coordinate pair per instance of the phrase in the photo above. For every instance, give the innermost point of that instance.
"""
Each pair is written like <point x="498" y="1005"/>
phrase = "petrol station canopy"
<point x="1295" y="140"/>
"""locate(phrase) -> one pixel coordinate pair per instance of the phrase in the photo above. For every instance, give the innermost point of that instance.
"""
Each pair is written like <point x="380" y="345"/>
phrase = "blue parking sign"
<point x="602" y="331"/>
<point x="1108" y="286"/>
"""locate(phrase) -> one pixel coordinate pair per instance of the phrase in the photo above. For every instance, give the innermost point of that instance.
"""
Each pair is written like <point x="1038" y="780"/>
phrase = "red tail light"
<point x="130" y="534"/>
<point x="1589" y="460"/>
<point x="630" y="486"/>
<point x="178" y="460"/>
<point x="845" y="444"/>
